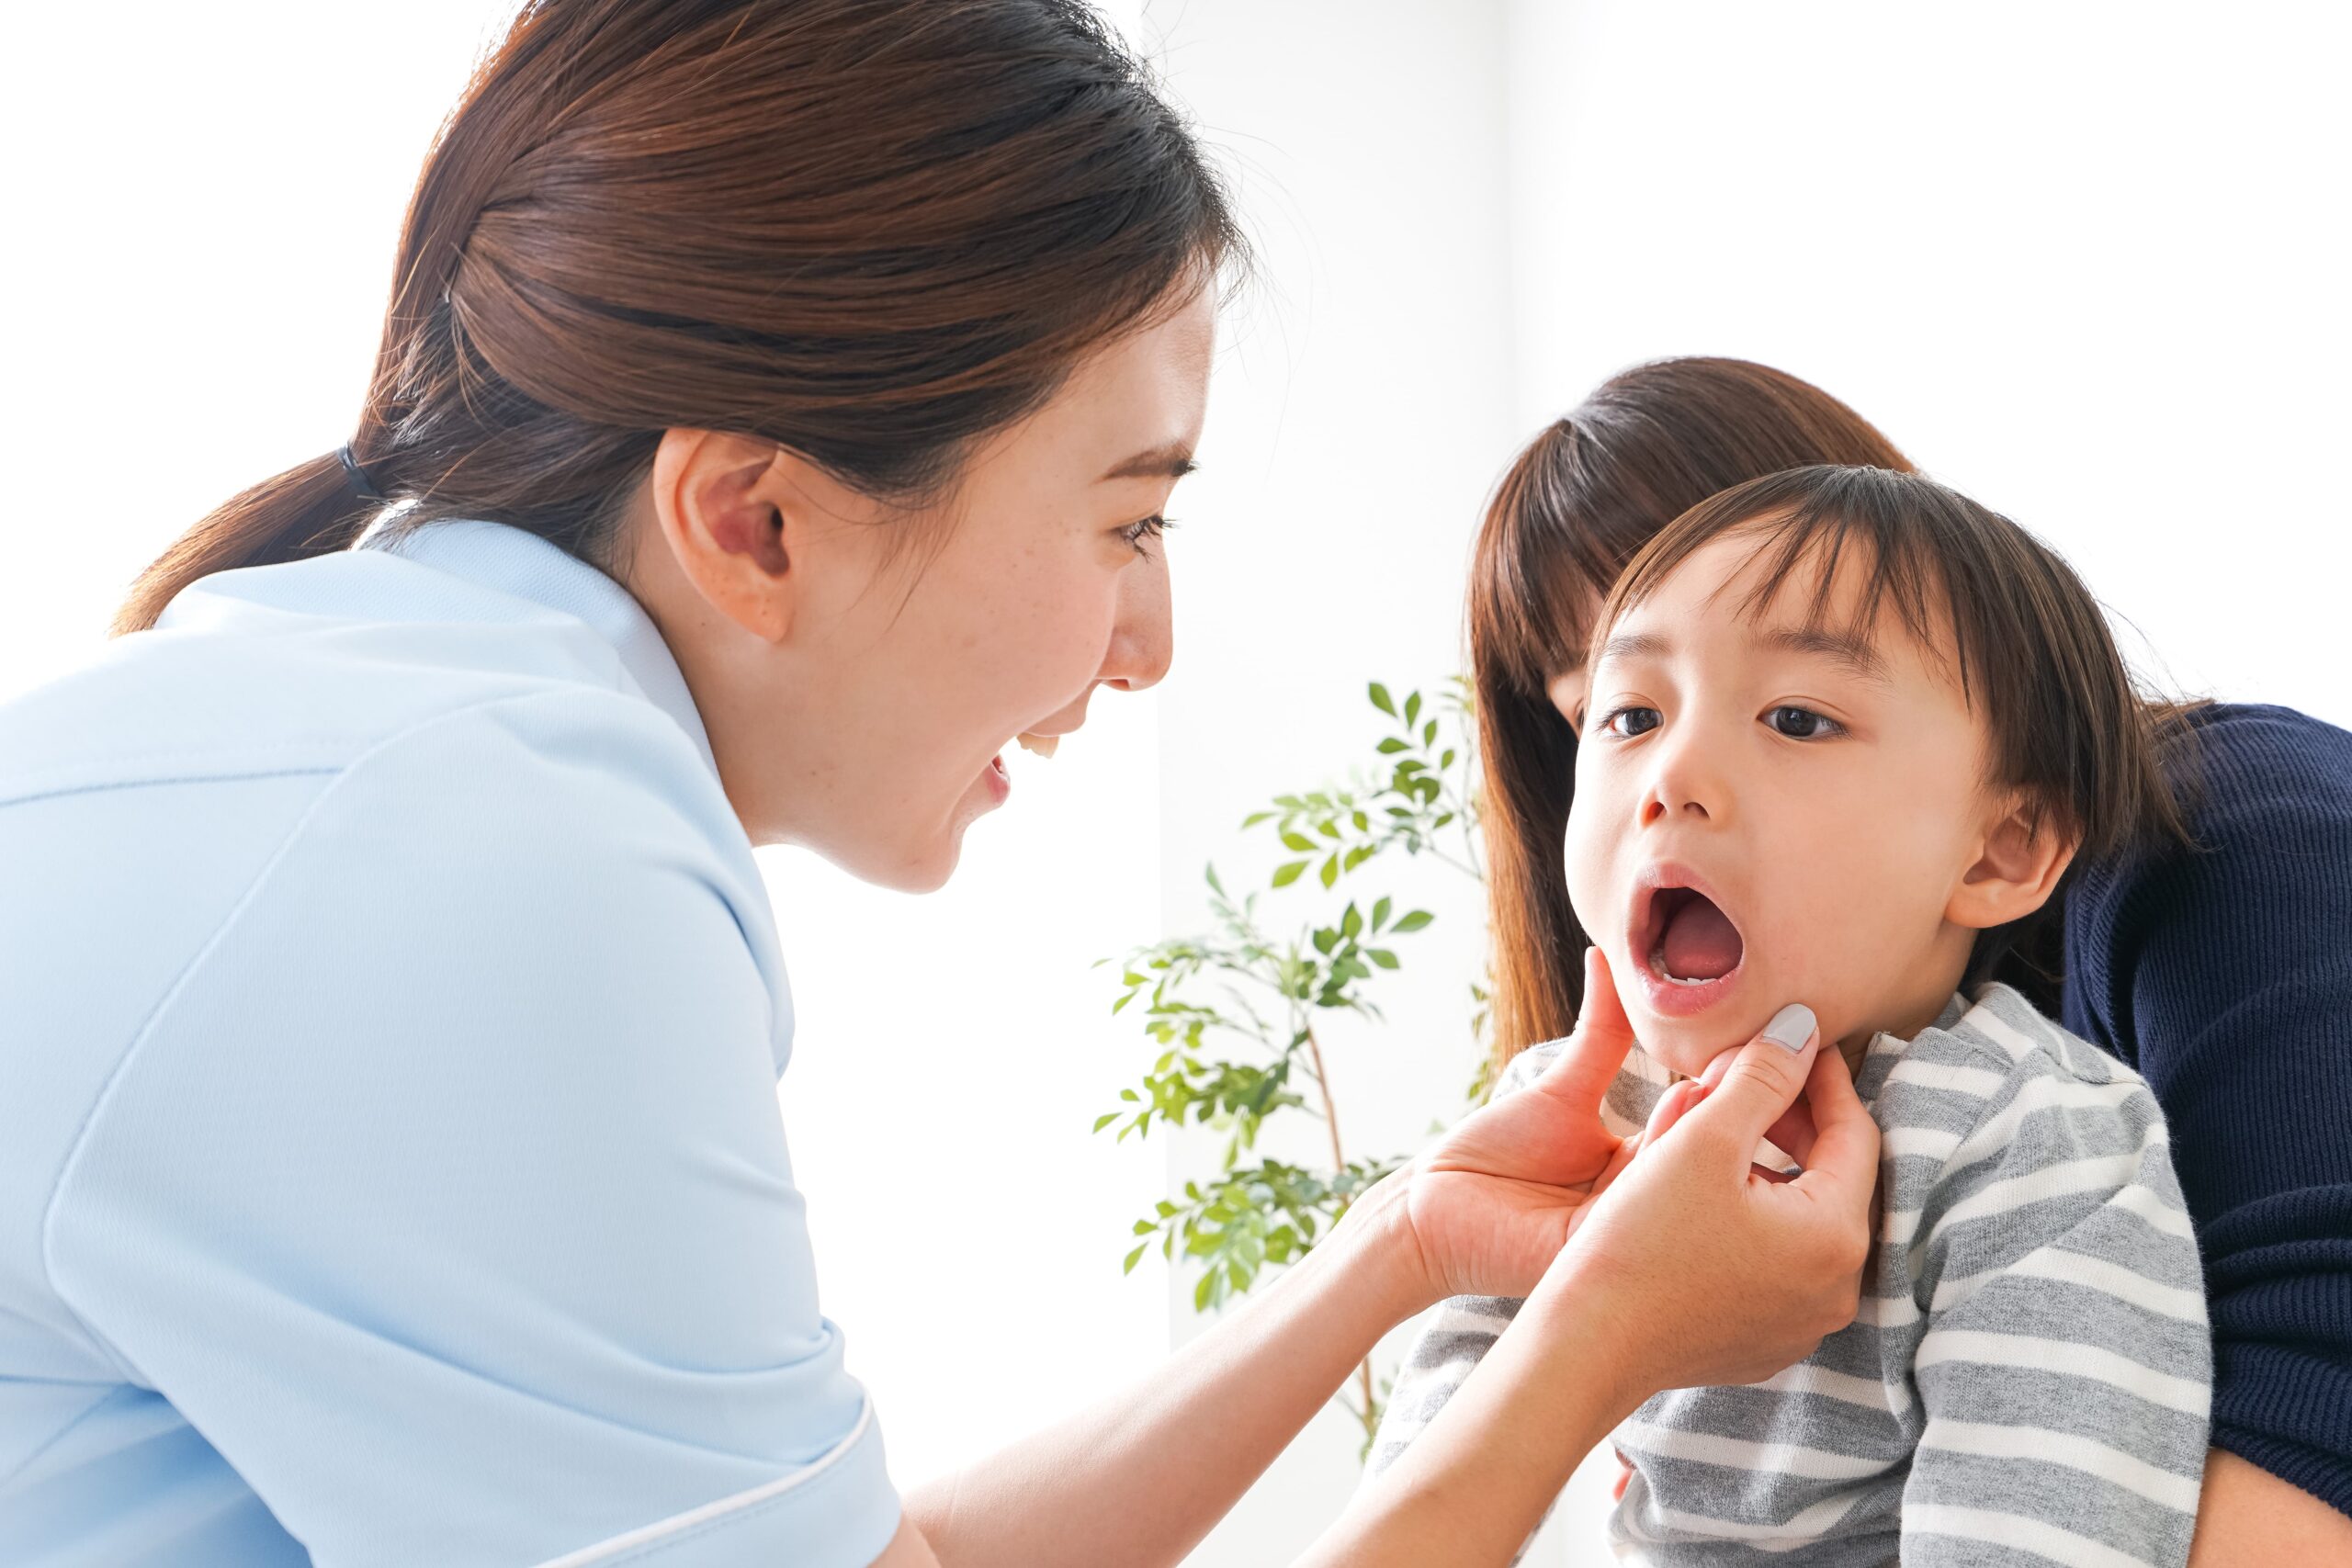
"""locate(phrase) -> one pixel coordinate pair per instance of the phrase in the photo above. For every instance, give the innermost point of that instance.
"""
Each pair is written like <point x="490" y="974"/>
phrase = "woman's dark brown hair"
<point x="868" y="231"/>
<point x="1577" y="503"/>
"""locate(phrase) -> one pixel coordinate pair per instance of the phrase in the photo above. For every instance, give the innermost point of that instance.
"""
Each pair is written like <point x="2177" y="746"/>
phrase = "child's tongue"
<point x="1701" y="943"/>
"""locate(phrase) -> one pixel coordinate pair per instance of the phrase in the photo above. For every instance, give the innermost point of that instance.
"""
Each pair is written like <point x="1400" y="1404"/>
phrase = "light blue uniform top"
<point x="390" y="1170"/>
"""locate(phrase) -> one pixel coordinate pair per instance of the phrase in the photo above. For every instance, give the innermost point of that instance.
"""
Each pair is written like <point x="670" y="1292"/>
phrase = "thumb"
<point x="1764" y="1079"/>
<point x="1588" y="1064"/>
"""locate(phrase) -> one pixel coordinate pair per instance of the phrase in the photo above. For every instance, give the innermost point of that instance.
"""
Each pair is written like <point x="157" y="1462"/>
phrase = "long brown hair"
<point x="869" y="231"/>
<point x="1577" y="503"/>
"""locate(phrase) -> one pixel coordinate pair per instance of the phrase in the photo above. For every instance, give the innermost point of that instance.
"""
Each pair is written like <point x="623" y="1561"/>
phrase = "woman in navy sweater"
<point x="2224" y="975"/>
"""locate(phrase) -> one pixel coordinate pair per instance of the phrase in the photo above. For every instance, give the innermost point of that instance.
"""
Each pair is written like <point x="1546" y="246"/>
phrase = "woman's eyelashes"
<point x="1152" y="527"/>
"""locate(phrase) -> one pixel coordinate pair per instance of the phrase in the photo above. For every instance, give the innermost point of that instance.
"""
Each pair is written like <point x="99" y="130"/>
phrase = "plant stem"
<point x="1338" y="1170"/>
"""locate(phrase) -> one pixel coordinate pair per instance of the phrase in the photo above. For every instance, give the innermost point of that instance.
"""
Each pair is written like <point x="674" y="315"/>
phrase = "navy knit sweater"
<point x="2224" y="976"/>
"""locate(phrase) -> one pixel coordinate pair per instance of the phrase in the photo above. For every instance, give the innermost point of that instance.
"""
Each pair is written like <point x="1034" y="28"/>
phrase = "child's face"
<point x="1768" y="815"/>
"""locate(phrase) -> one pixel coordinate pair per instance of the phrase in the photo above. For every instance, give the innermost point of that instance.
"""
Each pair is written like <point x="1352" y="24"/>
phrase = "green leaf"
<point x="1381" y="956"/>
<point x="1286" y="874"/>
<point x="1380" y="914"/>
<point x="1412" y="708"/>
<point x="1380" y="700"/>
<point x="1330" y="872"/>
<point x="1351" y="923"/>
<point x="1106" y="1119"/>
<point x="1391" y="746"/>
<point x="1134" y="1258"/>
<point x="1201" y="1293"/>
<point x="1298" y="843"/>
<point x="1414" y="921"/>
<point x="1428" y="732"/>
<point x="1256" y="817"/>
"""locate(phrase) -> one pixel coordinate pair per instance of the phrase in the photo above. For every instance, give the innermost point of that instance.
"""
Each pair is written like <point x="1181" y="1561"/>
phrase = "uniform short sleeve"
<point x="447" y="1195"/>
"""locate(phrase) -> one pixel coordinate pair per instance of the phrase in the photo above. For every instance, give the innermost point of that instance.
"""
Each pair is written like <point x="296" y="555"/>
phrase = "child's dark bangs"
<point x="1816" y="539"/>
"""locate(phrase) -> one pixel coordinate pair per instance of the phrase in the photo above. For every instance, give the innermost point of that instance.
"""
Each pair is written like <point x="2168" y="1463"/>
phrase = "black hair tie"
<point x="361" y="485"/>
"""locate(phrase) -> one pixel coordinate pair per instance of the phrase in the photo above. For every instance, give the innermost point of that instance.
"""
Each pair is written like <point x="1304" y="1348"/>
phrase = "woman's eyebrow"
<point x="1858" y="656"/>
<point x="1172" y="461"/>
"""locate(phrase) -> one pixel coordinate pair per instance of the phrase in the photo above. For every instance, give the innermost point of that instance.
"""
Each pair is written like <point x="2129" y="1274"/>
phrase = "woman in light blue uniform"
<point x="772" y="421"/>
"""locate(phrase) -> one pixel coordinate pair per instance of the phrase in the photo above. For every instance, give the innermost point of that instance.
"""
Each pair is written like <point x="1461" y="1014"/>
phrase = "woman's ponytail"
<point x="309" y="510"/>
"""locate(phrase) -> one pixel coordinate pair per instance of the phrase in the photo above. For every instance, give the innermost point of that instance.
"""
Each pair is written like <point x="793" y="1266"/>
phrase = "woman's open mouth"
<point x="1690" y="951"/>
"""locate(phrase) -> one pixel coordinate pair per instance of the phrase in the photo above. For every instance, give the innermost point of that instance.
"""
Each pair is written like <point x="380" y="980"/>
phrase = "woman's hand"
<point x="1718" y="1272"/>
<point x="1490" y="1206"/>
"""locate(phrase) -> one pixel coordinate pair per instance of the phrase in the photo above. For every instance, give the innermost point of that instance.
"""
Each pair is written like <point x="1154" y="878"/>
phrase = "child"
<point x="1844" y="732"/>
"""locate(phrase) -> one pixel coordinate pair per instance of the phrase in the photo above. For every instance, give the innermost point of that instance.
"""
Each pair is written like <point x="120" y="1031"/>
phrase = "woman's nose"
<point x="1143" y="635"/>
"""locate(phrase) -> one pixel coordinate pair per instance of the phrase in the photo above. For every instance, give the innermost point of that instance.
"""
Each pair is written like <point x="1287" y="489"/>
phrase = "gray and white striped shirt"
<point x="2029" y="1377"/>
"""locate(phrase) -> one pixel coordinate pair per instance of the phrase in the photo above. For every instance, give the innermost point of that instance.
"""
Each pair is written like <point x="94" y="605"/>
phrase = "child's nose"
<point x="1684" y="787"/>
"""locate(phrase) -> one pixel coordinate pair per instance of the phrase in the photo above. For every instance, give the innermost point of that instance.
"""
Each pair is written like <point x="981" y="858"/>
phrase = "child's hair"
<point x="2011" y="623"/>
<point x="1577" y="503"/>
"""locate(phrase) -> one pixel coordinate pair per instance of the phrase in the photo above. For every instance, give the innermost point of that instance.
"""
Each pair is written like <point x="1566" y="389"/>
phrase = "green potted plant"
<point x="1235" y="1010"/>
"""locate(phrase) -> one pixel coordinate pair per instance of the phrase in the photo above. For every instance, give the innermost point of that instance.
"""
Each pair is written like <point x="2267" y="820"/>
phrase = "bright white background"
<point x="2083" y="261"/>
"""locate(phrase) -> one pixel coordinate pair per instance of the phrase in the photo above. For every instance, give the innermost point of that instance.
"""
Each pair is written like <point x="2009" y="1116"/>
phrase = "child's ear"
<point x="2017" y="868"/>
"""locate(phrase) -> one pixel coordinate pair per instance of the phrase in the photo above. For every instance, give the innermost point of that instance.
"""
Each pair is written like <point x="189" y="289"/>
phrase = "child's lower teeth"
<point x="1657" y="967"/>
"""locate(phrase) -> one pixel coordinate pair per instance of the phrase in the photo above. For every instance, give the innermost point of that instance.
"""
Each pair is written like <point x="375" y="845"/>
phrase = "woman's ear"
<point x="2017" y="868"/>
<point x="738" y="515"/>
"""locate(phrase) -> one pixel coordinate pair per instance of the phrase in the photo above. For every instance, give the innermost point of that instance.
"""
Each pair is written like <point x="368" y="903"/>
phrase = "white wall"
<point x="2086" y="262"/>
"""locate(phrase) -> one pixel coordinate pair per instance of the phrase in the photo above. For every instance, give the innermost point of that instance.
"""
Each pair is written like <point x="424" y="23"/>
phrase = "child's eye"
<point x="1628" y="722"/>
<point x="1135" y="534"/>
<point x="1801" y="724"/>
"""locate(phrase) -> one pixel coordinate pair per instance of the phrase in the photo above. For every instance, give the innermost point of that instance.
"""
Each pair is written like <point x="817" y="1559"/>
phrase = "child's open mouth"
<point x="1690" y="951"/>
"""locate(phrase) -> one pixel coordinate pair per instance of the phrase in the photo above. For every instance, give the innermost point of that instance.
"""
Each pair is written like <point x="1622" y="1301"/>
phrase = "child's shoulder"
<point x="1998" y="1032"/>
<point x="1994" y="1090"/>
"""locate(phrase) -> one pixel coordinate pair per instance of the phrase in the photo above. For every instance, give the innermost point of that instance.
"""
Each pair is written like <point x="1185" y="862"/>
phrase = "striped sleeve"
<point x="2065" y="1376"/>
<point x="1452" y="1342"/>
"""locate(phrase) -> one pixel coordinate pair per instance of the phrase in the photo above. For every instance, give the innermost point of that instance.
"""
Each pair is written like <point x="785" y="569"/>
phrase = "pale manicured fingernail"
<point x="1791" y="1027"/>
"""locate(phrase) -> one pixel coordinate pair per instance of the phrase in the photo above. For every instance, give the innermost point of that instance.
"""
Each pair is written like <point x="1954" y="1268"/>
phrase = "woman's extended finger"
<point x="1588" y="1064"/>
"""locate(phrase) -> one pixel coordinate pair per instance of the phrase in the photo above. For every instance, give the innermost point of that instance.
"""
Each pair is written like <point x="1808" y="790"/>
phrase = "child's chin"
<point x="1685" y="1046"/>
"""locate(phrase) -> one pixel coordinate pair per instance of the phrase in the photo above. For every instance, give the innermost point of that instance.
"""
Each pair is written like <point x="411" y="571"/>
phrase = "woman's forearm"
<point x="1475" y="1486"/>
<point x="2247" y="1514"/>
<point x="1141" y="1477"/>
